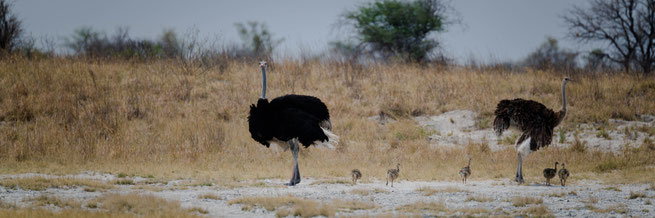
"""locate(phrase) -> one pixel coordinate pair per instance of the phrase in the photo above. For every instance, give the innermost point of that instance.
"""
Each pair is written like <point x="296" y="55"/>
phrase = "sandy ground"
<point x="569" y="201"/>
<point x="455" y="128"/>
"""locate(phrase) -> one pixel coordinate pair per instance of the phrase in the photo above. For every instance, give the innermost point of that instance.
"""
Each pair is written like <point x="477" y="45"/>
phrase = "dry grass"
<point x="153" y="118"/>
<point x="635" y="195"/>
<point x="379" y="190"/>
<point x="473" y="212"/>
<point x="290" y="205"/>
<point x="538" y="211"/>
<point x="440" y="209"/>
<point x="141" y="205"/>
<point x="111" y="205"/>
<point x="74" y="213"/>
<point x="427" y="191"/>
<point x="67" y="213"/>
<point x="209" y="196"/>
<point x="352" y="205"/>
<point x="5" y="205"/>
<point x="612" y="188"/>
<point x="45" y="200"/>
<point x="198" y="210"/>
<point x="555" y="194"/>
<point x="330" y="181"/>
<point x="523" y="201"/>
<point x="479" y="198"/>
<point x="268" y="203"/>
<point x="362" y="192"/>
<point x="39" y="183"/>
<point x="123" y="182"/>
<point x="424" y="207"/>
<point x="590" y="200"/>
<point x="617" y="208"/>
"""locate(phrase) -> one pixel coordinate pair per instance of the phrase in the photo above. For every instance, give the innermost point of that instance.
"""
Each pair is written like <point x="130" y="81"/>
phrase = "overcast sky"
<point x="492" y="30"/>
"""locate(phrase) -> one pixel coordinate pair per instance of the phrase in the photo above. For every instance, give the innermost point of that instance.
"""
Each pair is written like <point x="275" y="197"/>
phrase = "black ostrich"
<point x="535" y="121"/>
<point x="288" y="120"/>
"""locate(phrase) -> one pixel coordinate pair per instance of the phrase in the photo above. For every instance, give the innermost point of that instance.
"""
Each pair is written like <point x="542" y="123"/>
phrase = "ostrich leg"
<point x="519" y="170"/>
<point x="295" y="160"/>
<point x="295" y="149"/>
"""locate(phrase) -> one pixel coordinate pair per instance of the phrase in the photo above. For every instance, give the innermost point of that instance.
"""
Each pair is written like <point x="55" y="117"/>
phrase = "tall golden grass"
<point x="164" y="119"/>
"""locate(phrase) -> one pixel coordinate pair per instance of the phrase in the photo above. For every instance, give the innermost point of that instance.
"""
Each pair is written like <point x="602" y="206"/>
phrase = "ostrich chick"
<point x="393" y="174"/>
<point x="563" y="175"/>
<point x="356" y="175"/>
<point x="465" y="172"/>
<point x="550" y="173"/>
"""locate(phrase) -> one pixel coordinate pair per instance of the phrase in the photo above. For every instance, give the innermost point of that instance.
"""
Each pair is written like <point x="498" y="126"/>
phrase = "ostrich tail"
<point x="500" y="125"/>
<point x="332" y="141"/>
<point x="325" y="124"/>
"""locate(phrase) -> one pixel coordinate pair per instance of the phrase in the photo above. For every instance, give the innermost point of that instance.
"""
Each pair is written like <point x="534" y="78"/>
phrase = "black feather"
<point x="288" y="117"/>
<point x="532" y="118"/>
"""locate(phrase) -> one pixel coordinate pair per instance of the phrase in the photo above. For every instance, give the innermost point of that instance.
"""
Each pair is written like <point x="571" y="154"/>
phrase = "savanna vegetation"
<point x="165" y="119"/>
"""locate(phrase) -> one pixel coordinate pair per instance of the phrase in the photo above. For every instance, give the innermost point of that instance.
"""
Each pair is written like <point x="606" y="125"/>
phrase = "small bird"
<point x="393" y="174"/>
<point x="550" y="173"/>
<point x="465" y="172"/>
<point x="356" y="175"/>
<point x="563" y="175"/>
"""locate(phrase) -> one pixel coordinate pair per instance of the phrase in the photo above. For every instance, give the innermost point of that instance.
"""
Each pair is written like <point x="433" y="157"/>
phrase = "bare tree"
<point x="10" y="28"/>
<point x="627" y="26"/>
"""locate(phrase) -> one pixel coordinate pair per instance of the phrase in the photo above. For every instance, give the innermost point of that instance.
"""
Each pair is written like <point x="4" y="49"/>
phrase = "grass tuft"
<point x="41" y="183"/>
<point x="123" y="182"/>
<point x="198" y="210"/>
<point x="141" y="205"/>
<point x="362" y="192"/>
<point x="612" y="188"/>
<point x="209" y="196"/>
<point x="45" y="200"/>
<point x="290" y="205"/>
<point x="635" y="195"/>
<point x="538" y="211"/>
<point x="479" y="199"/>
<point x="523" y="201"/>
<point x="427" y="191"/>
<point x="424" y="207"/>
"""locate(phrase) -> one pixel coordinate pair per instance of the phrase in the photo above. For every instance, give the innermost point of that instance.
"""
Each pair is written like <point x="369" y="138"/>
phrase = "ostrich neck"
<point x="263" y="82"/>
<point x="469" y="165"/>
<point x="564" y="96"/>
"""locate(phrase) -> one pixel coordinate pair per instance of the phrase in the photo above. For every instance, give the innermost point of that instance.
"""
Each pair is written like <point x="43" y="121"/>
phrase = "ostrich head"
<point x="567" y="79"/>
<point x="263" y="64"/>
